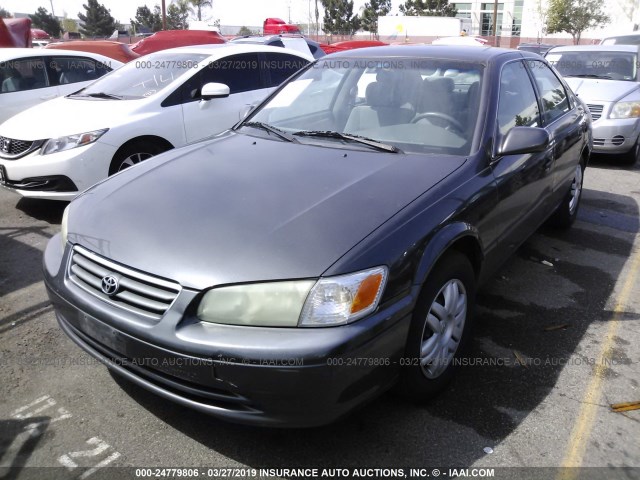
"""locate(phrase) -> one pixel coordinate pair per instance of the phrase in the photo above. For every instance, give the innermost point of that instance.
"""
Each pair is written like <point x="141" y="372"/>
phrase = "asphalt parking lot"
<point x="557" y="341"/>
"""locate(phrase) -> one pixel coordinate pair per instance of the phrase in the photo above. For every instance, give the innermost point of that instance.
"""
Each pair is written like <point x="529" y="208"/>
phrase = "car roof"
<point x="597" y="48"/>
<point x="466" y="53"/>
<point x="12" y="53"/>
<point x="222" y="49"/>
<point x="623" y="35"/>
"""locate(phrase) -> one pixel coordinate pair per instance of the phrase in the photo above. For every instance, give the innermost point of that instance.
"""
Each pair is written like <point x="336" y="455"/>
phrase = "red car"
<point x="116" y="50"/>
<point x="276" y="26"/>
<point x="176" y="38"/>
<point x="350" y="45"/>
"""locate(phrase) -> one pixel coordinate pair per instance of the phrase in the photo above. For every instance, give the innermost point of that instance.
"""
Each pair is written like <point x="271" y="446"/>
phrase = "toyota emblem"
<point x="6" y="145"/>
<point x="110" y="285"/>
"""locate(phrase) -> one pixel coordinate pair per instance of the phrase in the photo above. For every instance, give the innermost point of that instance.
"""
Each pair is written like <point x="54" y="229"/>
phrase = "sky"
<point x="230" y="12"/>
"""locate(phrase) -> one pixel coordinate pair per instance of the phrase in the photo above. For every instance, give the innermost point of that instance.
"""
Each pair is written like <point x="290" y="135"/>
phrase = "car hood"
<point x="67" y="116"/>
<point x="594" y="90"/>
<point x="243" y="209"/>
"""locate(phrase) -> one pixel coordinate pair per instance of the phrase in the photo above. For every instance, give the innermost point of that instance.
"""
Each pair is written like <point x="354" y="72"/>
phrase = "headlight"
<point x="72" y="141"/>
<point x="326" y="302"/>
<point x="343" y="299"/>
<point x="625" y="110"/>
<point x="63" y="227"/>
<point x="275" y="304"/>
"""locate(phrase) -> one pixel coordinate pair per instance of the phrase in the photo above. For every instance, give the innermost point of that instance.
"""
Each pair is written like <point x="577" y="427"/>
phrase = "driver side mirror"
<point x="214" y="90"/>
<point x="524" y="140"/>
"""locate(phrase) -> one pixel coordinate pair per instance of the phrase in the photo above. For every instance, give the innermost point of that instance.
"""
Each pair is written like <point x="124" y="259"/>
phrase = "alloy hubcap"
<point x="443" y="329"/>
<point x="576" y="190"/>
<point x="131" y="160"/>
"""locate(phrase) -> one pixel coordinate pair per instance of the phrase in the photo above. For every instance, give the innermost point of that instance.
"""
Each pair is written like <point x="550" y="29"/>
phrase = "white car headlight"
<point x="625" y="110"/>
<point x="61" y="144"/>
<point x="63" y="227"/>
<point x="327" y="302"/>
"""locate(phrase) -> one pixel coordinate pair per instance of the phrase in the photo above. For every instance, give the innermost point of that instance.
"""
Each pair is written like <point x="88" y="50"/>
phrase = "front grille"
<point x="11" y="148"/>
<point x="617" y="140"/>
<point x="596" y="111"/>
<point x="135" y="291"/>
<point x="598" y="142"/>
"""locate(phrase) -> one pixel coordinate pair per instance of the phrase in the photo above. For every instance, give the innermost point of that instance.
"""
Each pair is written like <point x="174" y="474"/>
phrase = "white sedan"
<point x="163" y="100"/>
<point x="30" y="76"/>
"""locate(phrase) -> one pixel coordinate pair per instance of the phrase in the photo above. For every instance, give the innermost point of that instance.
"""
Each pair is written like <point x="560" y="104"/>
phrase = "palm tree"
<point x="198" y="4"/>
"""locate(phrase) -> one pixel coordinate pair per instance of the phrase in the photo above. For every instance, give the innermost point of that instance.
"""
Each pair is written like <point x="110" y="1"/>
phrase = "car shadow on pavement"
<point x="49" y="211"/>
<point x="19" y="438"/>
<point x="531" y="319"/>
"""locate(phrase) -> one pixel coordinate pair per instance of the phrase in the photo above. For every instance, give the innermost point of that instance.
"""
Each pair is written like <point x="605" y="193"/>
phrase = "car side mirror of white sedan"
<point x="214" y="90"/>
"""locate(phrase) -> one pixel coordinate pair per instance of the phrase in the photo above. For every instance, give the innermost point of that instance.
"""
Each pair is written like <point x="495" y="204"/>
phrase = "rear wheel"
<point x="133" y="154"/>
<point x="440" y="328"/>
<point x="567" y="211"/>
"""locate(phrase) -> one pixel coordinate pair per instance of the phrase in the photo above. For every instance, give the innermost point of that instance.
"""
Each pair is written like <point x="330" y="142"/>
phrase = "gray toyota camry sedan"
<point x="329" y="246"/>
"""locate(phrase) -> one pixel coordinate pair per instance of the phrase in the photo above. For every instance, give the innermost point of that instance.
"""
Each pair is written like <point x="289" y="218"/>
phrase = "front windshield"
<point x="596" y="64"/>
<point x="144" y="76"/>
<point x="415" y="105"/>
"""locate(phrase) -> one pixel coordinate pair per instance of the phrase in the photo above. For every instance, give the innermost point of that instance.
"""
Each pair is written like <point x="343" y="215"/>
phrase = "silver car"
<point x="606" y="78"/>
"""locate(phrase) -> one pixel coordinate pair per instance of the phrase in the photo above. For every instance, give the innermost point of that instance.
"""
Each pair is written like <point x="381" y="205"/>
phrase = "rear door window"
<point x="76" y="69"/>
<point x="23" y="74"/>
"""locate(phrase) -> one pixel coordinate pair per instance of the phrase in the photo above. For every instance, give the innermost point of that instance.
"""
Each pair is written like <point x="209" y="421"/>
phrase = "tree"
<point x="43" y="20"/>
<point x="629" y="8"/>
<point x="575" y="16"/>
<point x="4" y="13"/>
<point x="198" y="5"/>
<point x="339" y="17"/>
<point x="178" y="15"/>
<point x="98" y="21"/>
<point x="69" y="25"/>
<point x="147" y="20"/>
<point x="245" y="31"/>
<point x="372" y="10"/>
<point x="430" y="8"/>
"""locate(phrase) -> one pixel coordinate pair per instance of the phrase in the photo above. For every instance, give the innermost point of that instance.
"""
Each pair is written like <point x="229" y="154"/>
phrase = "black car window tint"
<point x="241" y="73"/>
<point x="22" y="74"/>
<point x="552" y="94"/>
<point x="517" y="105"/>
<point x="280" y="66"/>
<point x="75" y="69"/>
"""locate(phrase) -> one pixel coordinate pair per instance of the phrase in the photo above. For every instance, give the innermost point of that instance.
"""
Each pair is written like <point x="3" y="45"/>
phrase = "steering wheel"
<point x="443" y="116"/>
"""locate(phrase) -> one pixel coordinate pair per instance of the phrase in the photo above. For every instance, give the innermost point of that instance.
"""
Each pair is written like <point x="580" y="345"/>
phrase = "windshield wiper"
<point x="589" y="75"/>
<point x="351" y="138"/>
<point x="270" y="128"/>
<point x="109" y="96"/>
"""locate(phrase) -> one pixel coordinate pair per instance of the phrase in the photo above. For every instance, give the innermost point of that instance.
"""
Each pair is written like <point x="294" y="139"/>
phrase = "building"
<point x="522" y="20"/>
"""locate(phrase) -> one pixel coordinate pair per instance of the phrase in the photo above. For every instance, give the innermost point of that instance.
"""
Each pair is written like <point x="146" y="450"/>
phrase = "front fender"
<point x="458" y="234"/>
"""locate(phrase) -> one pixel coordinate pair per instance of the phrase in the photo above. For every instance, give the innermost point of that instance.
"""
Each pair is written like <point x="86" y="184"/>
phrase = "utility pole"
<point x="164" y="15"/>
<point x="495" y="22"/>
<point x="53" y="14"/>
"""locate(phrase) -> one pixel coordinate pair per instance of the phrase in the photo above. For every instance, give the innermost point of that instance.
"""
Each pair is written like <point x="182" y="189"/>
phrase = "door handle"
<point x="48" y="97"/>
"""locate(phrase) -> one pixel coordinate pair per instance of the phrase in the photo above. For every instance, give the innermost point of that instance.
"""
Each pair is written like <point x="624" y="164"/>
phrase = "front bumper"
<point x="79" y="167"/>
<point x="290" y="377"/>
<point x="615" y="136"/>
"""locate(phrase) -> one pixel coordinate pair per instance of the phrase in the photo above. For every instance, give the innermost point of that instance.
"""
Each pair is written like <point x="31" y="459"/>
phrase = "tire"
<point x="132" y="154"/>
<point x="632" y="156"/>
<point x="567" y="211"/>
<point x="440" y="328"/>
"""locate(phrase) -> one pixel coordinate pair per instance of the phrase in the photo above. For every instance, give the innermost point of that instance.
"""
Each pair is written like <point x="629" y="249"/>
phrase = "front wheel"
<point x="133" y="154"/>
<point x="567" y="211"/>
<point x="633" y="155"/>
<point x="440" y="328"/>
